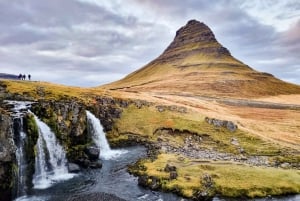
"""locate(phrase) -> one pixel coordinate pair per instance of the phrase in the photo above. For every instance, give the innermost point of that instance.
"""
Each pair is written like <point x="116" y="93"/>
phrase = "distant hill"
<point x="196" y="63"/>
<point x="8" y="76"/>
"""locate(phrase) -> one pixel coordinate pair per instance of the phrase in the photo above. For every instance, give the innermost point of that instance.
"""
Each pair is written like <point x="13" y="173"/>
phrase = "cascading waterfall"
<point x="50" y="160"/>
<point x="20" y="137"/>
<point x="99" y="138"/>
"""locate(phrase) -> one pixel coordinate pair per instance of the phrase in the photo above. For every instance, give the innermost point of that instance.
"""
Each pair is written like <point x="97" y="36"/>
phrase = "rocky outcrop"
<point x="7" y="156"/>
<point x="67" y="119"/>
<point x="222" y="123"/>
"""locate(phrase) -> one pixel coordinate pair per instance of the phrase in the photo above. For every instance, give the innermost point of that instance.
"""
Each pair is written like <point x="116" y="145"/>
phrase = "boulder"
<point x="92" y="152"/>
<point x="95" y="165"/>
<point x="143" y="180"/>
<point x="73" y="168"/>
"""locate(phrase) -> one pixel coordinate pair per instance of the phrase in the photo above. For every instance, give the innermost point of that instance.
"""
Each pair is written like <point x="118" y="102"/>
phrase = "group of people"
<point x="23" y="77"/>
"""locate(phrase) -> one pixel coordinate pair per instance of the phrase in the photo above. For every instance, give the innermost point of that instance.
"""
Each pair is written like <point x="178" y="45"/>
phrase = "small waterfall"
<point x="19" y="110"/>
<point x="99" y="138"/>
<point x="50" y="160"/>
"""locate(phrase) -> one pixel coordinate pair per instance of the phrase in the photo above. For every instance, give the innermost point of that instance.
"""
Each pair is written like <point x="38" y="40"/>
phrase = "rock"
<point x="95" y="165"/>
<point x="285" y="165"/>
<point x="160" y="108"/>
<point x="154" y="185"/>
<point x="93" y="152"/>
<point x="173" y="175"/>
<point x="170" y="168"/>
<point x="73" y="168"/>
<point x="207" y="181"/>
<point x="231" y="126"/>
<point x="143" y="180"/>
<point x="234" y="141"/>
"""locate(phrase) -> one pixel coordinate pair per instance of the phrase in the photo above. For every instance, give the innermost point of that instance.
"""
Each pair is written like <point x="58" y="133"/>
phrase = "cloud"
<point x="92" y="42"/>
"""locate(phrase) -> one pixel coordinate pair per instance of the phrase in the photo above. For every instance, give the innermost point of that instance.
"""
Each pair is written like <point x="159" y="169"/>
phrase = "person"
<point x="24" y="77"/>
<point x="29" y="76"/>
<point x="20" y="76"/>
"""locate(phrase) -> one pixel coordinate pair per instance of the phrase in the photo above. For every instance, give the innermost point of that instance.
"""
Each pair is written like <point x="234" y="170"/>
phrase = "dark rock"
<point x="73" y="168"/>
<point x="95" y="165"/>
<point x="143" y="180"/>
<point x="154" y="185"/>
<point x="170" y="168"/>
<point x="173" y="175"/>
<point x="93" y="153"/>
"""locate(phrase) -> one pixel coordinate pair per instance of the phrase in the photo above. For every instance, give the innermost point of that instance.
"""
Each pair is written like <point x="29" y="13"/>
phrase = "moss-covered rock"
<point x="67" y="119"/>
<point x="32" y="131"/>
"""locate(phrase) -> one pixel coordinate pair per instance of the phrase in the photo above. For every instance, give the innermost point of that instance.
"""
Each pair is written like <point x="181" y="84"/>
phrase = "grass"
<point x="49" y="91"/>
<point x="229" y="179"/>
<point x="147" y="120"/>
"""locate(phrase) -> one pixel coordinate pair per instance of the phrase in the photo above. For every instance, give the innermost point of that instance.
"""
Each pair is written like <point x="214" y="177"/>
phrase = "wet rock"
<point x="73" y="168"/>
<point x="143" y="180"/>
<point x="95" y="165"/>
<point x="93" y="152"/>
<point x="154" y="184"/>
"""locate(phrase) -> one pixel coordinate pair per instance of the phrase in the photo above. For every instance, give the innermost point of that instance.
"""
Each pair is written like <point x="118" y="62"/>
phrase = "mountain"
<point x="196" y="63"/>
<point x="8" y="76"/>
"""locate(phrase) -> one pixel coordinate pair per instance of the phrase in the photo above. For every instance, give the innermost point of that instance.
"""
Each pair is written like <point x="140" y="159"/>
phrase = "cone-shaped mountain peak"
<point x="192" y="39"/>
<point x="196" y="63"/>
<point x="195" y="32"/>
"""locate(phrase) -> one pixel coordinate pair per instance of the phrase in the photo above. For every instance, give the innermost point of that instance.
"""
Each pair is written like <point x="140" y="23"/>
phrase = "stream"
<point x="111" y="179"/>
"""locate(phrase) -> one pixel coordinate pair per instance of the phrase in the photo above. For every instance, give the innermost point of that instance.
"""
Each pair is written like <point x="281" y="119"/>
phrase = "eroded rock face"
<point x="7" y="156"/>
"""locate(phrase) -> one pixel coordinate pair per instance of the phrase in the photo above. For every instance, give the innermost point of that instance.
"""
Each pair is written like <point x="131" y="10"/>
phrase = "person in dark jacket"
<point x="29" y="76"/>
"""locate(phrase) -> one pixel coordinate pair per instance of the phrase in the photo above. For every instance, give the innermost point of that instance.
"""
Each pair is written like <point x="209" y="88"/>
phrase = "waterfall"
<point x="99" y="138"/>
<point x="20" y="137"/>
<point x="50" y="160"/>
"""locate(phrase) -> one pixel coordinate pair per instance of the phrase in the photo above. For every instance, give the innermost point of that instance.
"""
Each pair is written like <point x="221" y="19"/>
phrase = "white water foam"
<point x="100" y="140"/>
<point x="50" y="161"/>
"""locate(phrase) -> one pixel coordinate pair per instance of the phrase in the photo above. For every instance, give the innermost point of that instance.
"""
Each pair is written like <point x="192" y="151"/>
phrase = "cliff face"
<point x="7" y="156"/>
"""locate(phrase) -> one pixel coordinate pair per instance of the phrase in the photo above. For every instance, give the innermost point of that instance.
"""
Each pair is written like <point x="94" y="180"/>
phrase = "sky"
<point x="93" y="42"/>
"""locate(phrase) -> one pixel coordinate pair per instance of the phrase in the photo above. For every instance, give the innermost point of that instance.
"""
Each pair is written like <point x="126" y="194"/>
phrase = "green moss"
<point x="30" y="144"/>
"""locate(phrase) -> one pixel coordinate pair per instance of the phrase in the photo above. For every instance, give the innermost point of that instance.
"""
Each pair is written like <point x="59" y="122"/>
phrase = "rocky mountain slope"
<point x="196" y="63"/>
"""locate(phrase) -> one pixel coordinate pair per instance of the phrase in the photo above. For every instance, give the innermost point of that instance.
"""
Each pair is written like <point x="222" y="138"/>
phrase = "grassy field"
<point x="228" y="179"/>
